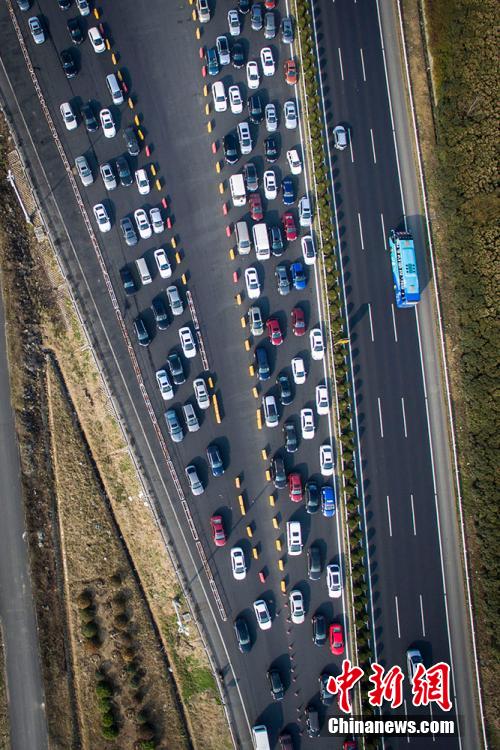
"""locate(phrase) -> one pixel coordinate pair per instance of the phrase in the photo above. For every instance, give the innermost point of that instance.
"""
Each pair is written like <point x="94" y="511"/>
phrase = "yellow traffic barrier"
<point x="153" y="170"/>
<point x="207" y="108"/>
<point x="136" y="120"/>
<point x="177" y="257"/>
<point x="278" y="544"/>
<point x="281" y="564"/>
<point x="247" y="345"/>
<point x="197" y="32"/>
<point x="237" y="481"/>
<point x="210" y="382"/>
<point x="191" y="2"/>
<point x="119" y="74"/>
<point x="242" y="505"/>
<point x="114" y="58"/>
<point x="158" y="183"/>
<point x="264" y="454"/>
<point x="217" y="169"/>
<point x="255" y="553"/>
<point x="209" y="127"/>
<point x="130" y="102"/>
<point x="275" y="522"/>
<point x="184" y="279"/>
<point x="268" y="475"/>
<point x="238" y="299"/>
<point x="251" y="370"/>
<point x="140" y="134"/>
<point x="221" y="191"/>
<point x="249" y="531"/>
<point x="173" y="242"/>
<point x="108" y="46"/>
<point x="283" y="586"/>
<point x="205" y="89"/>
<point x="259" y="420"/>
<point x="216" y="408"/>
<point x="96" y="13"/>
<point x="243" y="321"/>
<point x="193" y="15"/>
<point x="255" y="392"/>
<point x="272" y="501"/>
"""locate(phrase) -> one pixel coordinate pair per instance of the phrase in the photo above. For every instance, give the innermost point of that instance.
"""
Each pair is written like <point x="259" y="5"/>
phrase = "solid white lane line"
<point x="341" y="66"/>
<point x="363" y="64"/>
<point x="413" y="516"/>
<point x="422" y="615"/>
<point x="389" y="515"/>
<point x="380" y="418"/>
<point x="404" y="415"/>
<point x="430" y="713"/>
<point x="373" y="147"/>
<point x="394" y="324"/>
<point x="383" y="229"/>
<point x="361" y="232"/>
<point x="371" y="321"/>
<point x="406" y="716"/>
<point x="397" y="616"/>
<point x="350" y="146"/>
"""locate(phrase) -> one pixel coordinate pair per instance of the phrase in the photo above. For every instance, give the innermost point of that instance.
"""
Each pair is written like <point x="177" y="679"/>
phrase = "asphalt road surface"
<point x="158" y="56"/>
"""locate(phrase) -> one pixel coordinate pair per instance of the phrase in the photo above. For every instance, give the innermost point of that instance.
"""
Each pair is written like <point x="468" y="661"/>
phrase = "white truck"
<point x="261" y="241"/>
<point x="238" y="192"/>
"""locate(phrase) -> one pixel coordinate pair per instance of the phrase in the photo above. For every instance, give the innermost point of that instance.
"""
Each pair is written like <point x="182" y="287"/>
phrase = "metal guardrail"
<point x="197" y="329"/>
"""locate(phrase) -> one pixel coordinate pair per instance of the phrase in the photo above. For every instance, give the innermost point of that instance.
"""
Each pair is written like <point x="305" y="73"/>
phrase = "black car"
<point x="242" y="635"/>
<point x="312" y="721"/>
<point x="257" y="17"/>
<point x="89" y="118"/>
<point x="230" y="146"/>
<point x="64" y="4"/>
<point x="287" y="31"/>
<point x="251" y="177"/>
<point x="160" y="313"/>
<point x="278" y="473"/>
<point x="23" y="4"/>
<point x="285" y="388"/>
<point x="141" y="332"/>
<point x="276" y="685"/>
<point x="131" y="141"/>
<point x="215" y="460"/>
<point x="75" y="30"/>
<point x="277" y="246"/>
<point x="128" y="280"/>
<point x="176" y="369"/>
<point x="314" y="563"/>
<point x="271" y="149"/>
<point x="290" y="436"/>
<point x="312" y="497"/>
<point x="238" y="55"/>
<point x="243" y="6"/>
<point x="262" y="363"/>
<point x="255" y="109"/>
<point x="319" y="630"/>
<point x="124" y="173"/>
<point x="68" y="63"/>
<point x="325" y="697"/>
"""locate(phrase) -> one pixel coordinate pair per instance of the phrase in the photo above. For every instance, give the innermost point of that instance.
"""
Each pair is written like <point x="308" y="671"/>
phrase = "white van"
<point x="143" y="269"/>
<point x="260" y="737"/>
<point x="261" y="241"/>
<point x="238" y="193"/>
<point x="114" y="89"/>
<point x="242" y="237"/>
<point x="294" y="537"/>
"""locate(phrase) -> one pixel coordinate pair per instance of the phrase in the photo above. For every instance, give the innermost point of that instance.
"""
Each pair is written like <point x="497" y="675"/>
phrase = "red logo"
<point x="432" y="686"/>
<point x="344" y="683"/>
<point x="388" y="686"/>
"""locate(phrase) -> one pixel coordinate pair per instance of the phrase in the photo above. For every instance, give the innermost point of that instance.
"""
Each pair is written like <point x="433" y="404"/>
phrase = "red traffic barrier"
<point x="148" y="151"/>
<point x="214" y="147"/>
<point x="163" y="201"/>
<point x="228" y="231"/>
<point x="202" y="52"/>
<point x="235" y="276"/>
<point x="124" y="87"/>
<point x="169" y="222"/>
<point x="262" y="576"/>
<point x="204" y="71"/>
<point x="101" y="29"/>
<point x="224" y="209"/>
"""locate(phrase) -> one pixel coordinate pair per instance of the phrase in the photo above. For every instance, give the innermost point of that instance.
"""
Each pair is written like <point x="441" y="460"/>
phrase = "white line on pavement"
<point x="422" y="615"/>
<point x="389" y="515"/>
<point x="404" y="415"/>
<point x="373" y="147"/>
<point x="380" y="418"/>
<point x="397" y="616"/>
<point x="361" y="232"/>
<point x="383" y="229"/>
<point x="406" y="716"/>
<point x="341" y="66"/>
<point x="371" y="321"/>
<point x="363" y="64"/>
<point x="350" y="146"/>
<point x="413" y="516"/>
<point x="394" y="324"/>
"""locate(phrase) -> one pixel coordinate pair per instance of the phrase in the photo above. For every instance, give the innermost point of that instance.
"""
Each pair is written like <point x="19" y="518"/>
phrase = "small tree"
<point x="90" y="630"/>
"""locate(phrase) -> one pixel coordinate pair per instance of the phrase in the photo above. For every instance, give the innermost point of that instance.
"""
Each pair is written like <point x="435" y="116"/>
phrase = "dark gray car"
<point x="256" y="17"/>
<point x="131" y="141"/>
<point x="314" y="563"/>
<point x="174" y="426"/>
<point x="269" y="25"/>
<point x="124" y="173"/>
<point x="128" y="231"/>
<point x="176" y="369"/>
<point x="282" y="279"/>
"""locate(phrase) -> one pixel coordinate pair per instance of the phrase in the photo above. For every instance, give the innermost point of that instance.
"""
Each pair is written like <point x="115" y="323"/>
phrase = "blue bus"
<point x="404" y="269"/>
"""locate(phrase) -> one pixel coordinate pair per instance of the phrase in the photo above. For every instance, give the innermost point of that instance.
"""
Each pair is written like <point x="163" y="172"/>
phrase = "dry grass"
<point x="4" y="714"/>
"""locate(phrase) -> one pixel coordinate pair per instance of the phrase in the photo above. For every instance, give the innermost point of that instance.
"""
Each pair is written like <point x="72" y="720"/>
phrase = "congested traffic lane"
<point x="208" y="266"/>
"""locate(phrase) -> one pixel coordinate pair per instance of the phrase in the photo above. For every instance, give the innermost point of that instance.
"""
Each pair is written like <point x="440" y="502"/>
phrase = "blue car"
<point x="212" y="61"/>
<point x="288" y="191"/>
<point x="298" y="275"/>
<point x="328" y="504"/>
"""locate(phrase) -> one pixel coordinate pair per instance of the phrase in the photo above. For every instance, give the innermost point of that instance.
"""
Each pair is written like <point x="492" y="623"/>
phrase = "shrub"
<point x="85" y="599"/>
<point x="87" y="615"/>
<point x="90" y="630"/>
<point x="104" y="704"/>
<point x="110" y="733"/>
<point x="146" y="731"/>
<point x="142" y="716"/>
<point x="107" y="720"/>
<point x="104" y="689"/>
<point x="121" y="620"/>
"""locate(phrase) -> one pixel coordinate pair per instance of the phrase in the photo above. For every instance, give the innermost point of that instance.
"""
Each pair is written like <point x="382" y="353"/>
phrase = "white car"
<point x="297" y="611"/>
<point x="271" y="118"/>
<point x="340" y="137"/>
<point x="201" y="393"/>
<point x="143" y="225"/>
<point x="36" y="29"/>
<point x="238" y="564"/>
<point x="413" y="659"/>
<point x="84" y="171"/>
<point x="307" y="424"/>
<point x="267" y="61"/>
<point x="253" y="77"/>
<point x="317" y="345"/>
<point x="108" y="176"/>
<point x="322" y="401"/>
<point x="334" y="581"/>
<point x="270" y="186"/>
<point x="107" y="122"/>
<point x="326" y="460"/>
<point x="305" y="214"/>
<point x="102" y="218"/>
<point x="308" y="250"/>
<point x="164" y="384"/>
<point x="290" y="113"/>
<point x="262" y="614"/>
<point x="233" y="21"/>
<point x="294" y="161"/>
<point x="219" y="96"/>
<point x="187" y="342"/>
<point x="252" y="282"/>
<point x="96" y="40"/>
<point x="83" y="7"/>
<point x="298" y="371"/>
<point x="235" y="100"/>
<point x="156" y="220"/>
<point x="142" y="181"/>
<point x="69" y="117"/>
<point x="164" y="267"/>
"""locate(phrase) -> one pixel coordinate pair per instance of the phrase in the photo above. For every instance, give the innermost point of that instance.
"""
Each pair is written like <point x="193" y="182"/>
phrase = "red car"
<point x="295" y="487"/>
<point x="336" y="639"/>
<point x="298" y="321"/>
<point x="255" y="204"/>
<point x="218" y="533"/>
<point x="274" y="332"/>
<point x="289" y="226"/>
<point x="350" y="745"/>
<point x="290" y="68"/>
<point x="270" y="4"/>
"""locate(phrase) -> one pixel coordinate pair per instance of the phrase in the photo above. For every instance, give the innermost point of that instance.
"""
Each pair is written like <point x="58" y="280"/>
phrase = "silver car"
<point x="174" y="426"/>
<point x="340" y="137"/>
<point x="223" y="50"/>
<point x="271" y="118"/>
<point x="84" y="171"/>
<point x="36" y="29"/>
<point x="108" y="176"/>
<point x="195" y="484"/>
<point x="290" y="112"/>
<point x="174" y="300"/>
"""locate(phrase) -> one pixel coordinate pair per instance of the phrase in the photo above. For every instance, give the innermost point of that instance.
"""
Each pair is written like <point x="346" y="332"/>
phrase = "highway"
<point x="158" y="55"/>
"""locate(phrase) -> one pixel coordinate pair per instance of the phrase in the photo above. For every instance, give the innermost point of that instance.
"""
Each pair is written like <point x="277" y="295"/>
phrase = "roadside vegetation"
<point x="458" y="125"/>
<point x="4" y="710"/>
